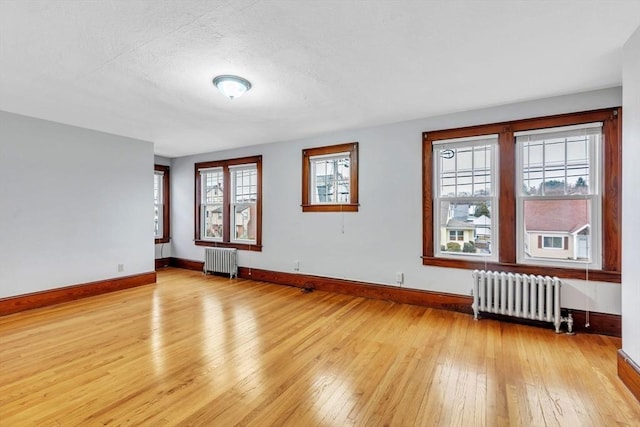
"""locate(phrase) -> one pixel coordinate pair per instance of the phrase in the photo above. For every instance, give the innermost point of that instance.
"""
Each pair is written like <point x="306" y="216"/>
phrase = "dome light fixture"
<point x="232" y="86"/>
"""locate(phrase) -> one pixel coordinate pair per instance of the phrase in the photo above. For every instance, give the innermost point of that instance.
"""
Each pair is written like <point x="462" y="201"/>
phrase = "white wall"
<point x="163" y="250"/>
<point x="75" y="203"/>
<point x="385" y="236"/>
<point x="631" y="198"/>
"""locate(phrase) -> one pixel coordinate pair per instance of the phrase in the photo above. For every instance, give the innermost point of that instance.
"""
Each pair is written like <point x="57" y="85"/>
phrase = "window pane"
<point x="212" y="221"/>
<point x="244" y="222"/>
<point x="558" y="229"/>
<point x="245" y="194"/>
<point x="245" y="185"/>
<point x="158" y="217"/>
<point x="330" y="180"/>
<point x="465" y="170"/>
<point x="157" y="198"/>
<point x="157" y="188"/>
<point x="212" y="187"/>
<point x="465" y="228"/>
<point x="558" y="163"/>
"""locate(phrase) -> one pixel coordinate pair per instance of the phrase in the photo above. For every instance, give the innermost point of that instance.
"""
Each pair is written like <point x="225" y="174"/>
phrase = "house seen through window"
<point x="228" y="203"/>
<point x="518" y="195"/>
<point x="330" y="178"/>
<point x="161" y="203"/>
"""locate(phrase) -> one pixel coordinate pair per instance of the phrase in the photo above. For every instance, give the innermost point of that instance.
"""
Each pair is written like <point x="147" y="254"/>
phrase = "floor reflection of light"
<point x="213" y="336"/>
<point x="247" y="337"/>
<point x="157" y="343"/>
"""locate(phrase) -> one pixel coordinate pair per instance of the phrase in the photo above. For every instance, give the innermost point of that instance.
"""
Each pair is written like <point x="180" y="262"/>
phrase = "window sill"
<point x="344" y="207"/>
<point x="240" y="246"/>
<point x="563" y="273"/>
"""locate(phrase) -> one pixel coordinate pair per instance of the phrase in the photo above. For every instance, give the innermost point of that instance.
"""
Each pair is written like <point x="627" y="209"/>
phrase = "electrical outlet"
<point x="296" y="265"/>
<point x="399" y="277"/>
<point x="120" y="268"/>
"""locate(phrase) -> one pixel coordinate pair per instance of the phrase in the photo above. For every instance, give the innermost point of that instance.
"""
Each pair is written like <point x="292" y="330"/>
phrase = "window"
<point x="553" y="242"/>
<point x="161" y="203"/>
<point x="465" y="196"/>
<point x="548" y="195"/>
<point x="228" y="203"/>
<point x="330" y="178"/>
<point x="557" y="173"/>
<point x="456" y="235"/>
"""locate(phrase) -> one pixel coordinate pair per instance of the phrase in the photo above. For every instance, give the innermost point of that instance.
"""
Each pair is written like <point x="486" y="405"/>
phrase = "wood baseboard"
<point x="440" y="300"/>
<point x="629" y="373"/>
<point x="163" y="262"/>
<point x="49" y="297"/>
<point x="600" y="323"/>
<point x="186" y="264"/>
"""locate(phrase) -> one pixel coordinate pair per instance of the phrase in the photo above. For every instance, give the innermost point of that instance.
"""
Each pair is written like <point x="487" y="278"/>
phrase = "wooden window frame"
<point x="611" y="194"/>
<point x="307" y="153"/>
<point x="226" y="196"/>
<point x="166" y="205"/>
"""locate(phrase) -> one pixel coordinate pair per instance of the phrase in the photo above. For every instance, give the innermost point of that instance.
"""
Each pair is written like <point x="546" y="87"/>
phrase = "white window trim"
<point x="312" y="181"/>
<point x="158" y="176"/>
<point x="595" y="181"/>
<point x="204" y="205"/>
<point x="233" y="203"/>
<point x="493" y="199"/>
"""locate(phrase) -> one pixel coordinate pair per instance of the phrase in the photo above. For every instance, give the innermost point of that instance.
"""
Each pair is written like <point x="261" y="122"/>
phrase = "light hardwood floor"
<point x="195" y="350"/>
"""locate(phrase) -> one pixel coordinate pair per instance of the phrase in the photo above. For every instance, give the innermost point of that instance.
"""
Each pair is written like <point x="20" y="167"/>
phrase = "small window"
<point x="228" y="203"/>
<point x="456" y="235"/>
<point x="552" y="242"/>
<point x="161" y="203"/>
<point x="330" y="178"/>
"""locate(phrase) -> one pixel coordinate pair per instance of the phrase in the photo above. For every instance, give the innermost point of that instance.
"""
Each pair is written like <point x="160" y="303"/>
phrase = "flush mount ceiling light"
<point x="232" y="86"/>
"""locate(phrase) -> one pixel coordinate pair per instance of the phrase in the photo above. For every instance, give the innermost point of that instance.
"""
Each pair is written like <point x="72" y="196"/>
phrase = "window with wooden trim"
<point x="161" y="198"/>
<point x="330" y="178"/>
<point x="558" y="188"/>
<point x="228" y="203"/>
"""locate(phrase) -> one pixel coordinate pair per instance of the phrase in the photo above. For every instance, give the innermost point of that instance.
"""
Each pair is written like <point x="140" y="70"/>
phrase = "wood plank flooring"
<point x="210" y="351"/>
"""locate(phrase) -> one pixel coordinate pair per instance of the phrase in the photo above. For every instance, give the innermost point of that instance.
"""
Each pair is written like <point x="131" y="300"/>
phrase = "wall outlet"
<point x="120" y="268"/>
<point x="296" y="265"/>
<point x="399" y="277"/>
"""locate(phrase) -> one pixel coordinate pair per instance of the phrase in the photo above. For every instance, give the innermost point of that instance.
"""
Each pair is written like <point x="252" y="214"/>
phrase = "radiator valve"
<point x="569" y="320"/>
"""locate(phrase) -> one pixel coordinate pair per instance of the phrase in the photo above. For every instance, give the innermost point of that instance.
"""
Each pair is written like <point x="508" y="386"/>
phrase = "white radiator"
<point x="519" y="295"/>
<point x="221" y="260"/>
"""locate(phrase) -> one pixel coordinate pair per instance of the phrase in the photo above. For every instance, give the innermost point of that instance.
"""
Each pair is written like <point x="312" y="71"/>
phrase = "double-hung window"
<point x="559" y="202"/>
<point x="228" y="203"/>
<point x="212" y="206"/>
<point x="244" y="186"/>
<point x="161" y="203"/>
<point x="465" y="197"/>
<point x="536" y="196"/>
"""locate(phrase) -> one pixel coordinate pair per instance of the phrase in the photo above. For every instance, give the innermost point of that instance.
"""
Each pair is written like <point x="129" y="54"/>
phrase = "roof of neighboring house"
<point x="482" y="220"/>
<point x="568" y="216"/>
<point x="454" y="224"/>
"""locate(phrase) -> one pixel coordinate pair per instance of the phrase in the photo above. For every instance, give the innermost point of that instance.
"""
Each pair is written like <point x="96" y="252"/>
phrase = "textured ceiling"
<point x="143" y="69"/>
